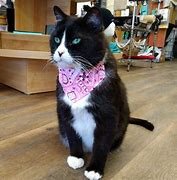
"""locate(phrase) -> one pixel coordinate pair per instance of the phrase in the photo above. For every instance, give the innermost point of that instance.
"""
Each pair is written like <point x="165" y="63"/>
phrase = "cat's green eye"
<point x="76" y="41"/>
<point x="57" y="40"/>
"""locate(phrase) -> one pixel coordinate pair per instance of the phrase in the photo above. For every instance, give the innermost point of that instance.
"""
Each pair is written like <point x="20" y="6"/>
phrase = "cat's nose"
<point x="60" y="53"/>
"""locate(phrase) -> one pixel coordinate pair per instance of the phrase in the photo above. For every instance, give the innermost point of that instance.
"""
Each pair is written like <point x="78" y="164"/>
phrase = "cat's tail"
<point x="141" y="122"/>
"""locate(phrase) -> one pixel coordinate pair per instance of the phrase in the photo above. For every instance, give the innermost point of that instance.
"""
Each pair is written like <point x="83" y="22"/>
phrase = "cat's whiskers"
<point x="48" y="63"/>
<point x="84" y="67"/>
<point x="51" y="59"/>
<point x="78" y="60"/>
<point x="84" y="61"/>
<point x="77" y="63"/>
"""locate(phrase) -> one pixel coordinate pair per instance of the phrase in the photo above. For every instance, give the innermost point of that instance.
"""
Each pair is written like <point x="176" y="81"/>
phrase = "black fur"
<point x="109" y="105"/>
<point x="142" y="122"/>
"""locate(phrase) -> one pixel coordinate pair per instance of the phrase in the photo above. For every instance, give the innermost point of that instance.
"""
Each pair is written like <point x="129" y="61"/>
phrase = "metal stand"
<point x="133" y="29"/>
<point x="131" y="37"/>
<point x="154" y="45"/>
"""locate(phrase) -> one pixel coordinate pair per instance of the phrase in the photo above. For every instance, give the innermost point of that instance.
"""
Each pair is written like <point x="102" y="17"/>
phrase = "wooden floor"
<point x="30" y="147"/>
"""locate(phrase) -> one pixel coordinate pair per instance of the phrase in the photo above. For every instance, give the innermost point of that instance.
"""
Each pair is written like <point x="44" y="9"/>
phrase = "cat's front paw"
<point x="92" y="175"/>
<point x="75" y="162"/>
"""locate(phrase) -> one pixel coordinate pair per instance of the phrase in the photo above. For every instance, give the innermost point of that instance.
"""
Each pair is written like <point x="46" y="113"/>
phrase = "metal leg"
<point x="151" y="64"/>
<point x="154" y="45"/>
<point x="131" y="37"/>
<point x="128" y="66"/>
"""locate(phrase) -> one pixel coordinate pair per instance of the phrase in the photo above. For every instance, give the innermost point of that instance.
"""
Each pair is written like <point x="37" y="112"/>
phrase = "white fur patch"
<point x="84" y="125"/>
<point x="92" y="175"/>
<point x="75" y="162"/>
<point x="65" y="60"/>
<point x="83" y="121"/>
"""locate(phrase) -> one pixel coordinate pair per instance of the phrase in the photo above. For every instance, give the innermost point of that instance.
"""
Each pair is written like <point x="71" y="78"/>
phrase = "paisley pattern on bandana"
<point x="77" y="84"/>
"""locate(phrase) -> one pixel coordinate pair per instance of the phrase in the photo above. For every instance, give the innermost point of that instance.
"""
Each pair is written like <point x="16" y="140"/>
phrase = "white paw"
<point x="75" y="162"/>
<point x="92" y="175"/>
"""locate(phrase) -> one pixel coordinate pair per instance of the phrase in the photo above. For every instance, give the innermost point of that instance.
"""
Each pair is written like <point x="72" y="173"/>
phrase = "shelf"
<point x="24" y="42"/>
<point x="24" y="54"/>
<point x="23" y="63"/>
<point x="128" y="29"/>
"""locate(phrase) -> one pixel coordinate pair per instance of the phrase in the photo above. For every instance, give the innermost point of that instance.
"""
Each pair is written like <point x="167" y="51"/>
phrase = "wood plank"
<point x="156" y="161"/>
<point x="41" y="76"/>
<point x="13" y="73"/>
<point x="21" y="113"/>
<point x="43" y="157"/>
<point x="23" y="54"/>
<point x="24" y="42"/>
<point x="31" y="15"/>
<point x="27" y="75"/>
<point x="29" y="147"/>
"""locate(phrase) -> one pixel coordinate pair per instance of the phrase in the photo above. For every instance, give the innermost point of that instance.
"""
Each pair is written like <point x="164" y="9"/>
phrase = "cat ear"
<point x="93" y="19"/>
<point x="59" y="14"/>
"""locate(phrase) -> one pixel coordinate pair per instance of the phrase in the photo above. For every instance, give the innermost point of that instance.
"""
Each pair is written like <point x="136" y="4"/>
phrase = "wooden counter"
<point x="24" y="63"/>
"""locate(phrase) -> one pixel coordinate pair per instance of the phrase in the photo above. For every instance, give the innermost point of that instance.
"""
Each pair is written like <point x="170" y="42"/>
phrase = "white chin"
<point x="65" y="65"/>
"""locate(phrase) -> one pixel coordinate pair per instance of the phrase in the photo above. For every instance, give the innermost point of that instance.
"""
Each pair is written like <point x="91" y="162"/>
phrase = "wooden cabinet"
<point x="24" y="58"/>
<point x="24" y="63"/>
<point x="34" y="15"/>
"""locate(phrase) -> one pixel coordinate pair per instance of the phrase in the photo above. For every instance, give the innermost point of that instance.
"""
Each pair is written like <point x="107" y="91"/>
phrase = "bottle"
<point x="144" y="8"/>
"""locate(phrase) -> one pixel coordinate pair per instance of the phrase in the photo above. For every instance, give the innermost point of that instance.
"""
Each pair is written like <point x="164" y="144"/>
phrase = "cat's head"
<point x="78" y="42"/>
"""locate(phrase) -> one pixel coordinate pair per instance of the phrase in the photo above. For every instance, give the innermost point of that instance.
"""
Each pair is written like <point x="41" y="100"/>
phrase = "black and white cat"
<point x="92" y="105"/>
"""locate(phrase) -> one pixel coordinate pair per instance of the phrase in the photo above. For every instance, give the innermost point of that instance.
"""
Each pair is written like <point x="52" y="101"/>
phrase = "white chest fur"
<point x="83" y="121"/>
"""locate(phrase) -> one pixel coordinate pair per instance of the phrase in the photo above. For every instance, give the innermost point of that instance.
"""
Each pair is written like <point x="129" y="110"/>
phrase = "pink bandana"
<point x="77" y="84"/>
